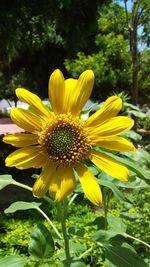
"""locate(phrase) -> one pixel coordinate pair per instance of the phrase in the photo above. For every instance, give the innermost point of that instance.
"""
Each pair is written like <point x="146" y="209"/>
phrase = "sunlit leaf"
<point x="22" y="205"/>
<point x="5" y="180"/>
<point x="12" y="261"/>
<point x="116" y="224"/>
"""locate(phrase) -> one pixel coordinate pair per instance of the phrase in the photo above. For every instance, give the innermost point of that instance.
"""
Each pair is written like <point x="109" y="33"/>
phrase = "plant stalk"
<point x="62" y="213"/>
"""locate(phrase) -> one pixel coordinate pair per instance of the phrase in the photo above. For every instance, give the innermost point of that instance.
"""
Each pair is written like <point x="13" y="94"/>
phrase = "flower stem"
<point x="22" y="185"/>
<point x="42" y="212"/>
<point x="136" y="239"/>
<point x="62" y="213"/>
<point x="72" y="199"/>
<point x="85" y="252"/>
<point x="105" y="205"/>
<point x="49" y="221"/>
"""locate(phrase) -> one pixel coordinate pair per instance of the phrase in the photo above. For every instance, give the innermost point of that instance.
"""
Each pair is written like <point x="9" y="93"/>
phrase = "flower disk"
<point x="65" y="139"/>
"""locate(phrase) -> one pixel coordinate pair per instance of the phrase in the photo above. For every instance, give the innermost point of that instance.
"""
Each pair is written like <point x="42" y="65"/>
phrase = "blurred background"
<point x="110" y="37"/>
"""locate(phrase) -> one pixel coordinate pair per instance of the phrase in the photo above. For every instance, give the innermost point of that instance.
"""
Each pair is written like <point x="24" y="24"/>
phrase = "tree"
<point x="110" y="59"/>
<point x="144" y="76"/>
<point x="138" y="17"/>
<point x="36" y="36"/>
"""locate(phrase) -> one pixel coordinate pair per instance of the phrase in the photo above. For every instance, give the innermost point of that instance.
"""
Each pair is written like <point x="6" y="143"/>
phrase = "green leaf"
<point x="76" y="247"/>
<point x="122" y="257"/>
<point x="137" y="183"/>
<point x="21" y="205"/>
<point x="116" y="224"/>
<point x="130" y="215"/>
<point x="75" y="263"/>
<point x="99" y="223"/>
<point x="86" y="111"/>
<point x="132" y="165"/>
<point x="133" y="135"/>
<point x="131" y="106"/>
<point x="137" y="114"/>
<point x="115" y="227"/>
<point x="118" y="194"/>
<point x="5" y="180"/>
<point x="12" y="261"/>
<point x="41" y="244"/>
<point x="145" y="155"/>
<point x="103" y="236"/>
<point x="93" y="169"/>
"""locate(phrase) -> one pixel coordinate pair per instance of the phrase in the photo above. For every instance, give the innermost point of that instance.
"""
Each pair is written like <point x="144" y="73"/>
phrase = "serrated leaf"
<point x="22" y="205"/>
<point x="12" y="261"/>
<point x="5" y="180"/>
<point x="41" y="243"/>
<point x="122" y="257"/>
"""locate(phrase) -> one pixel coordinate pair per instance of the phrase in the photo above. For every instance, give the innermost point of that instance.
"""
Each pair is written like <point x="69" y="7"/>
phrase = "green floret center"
<point x="61" y="141"/>
<point x="65" y="139"/>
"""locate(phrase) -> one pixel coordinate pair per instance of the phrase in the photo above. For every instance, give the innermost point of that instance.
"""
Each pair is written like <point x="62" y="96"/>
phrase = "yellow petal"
<point x="57" y="91"/>
<point x="82" y="91"/>
<point x="26" y="120"/>
<point x="41" y="185"/>
<point x="21" y="140"/>
<point x="114" y="126"/>
<point x="109" y="165"/>
<point x="28" y="157"/>
<point x="70" y="85"/>
<point x="63" y="183"/>
<point x="34" y="101"/>
<point x="114" y="143"/>
<point x="110" y="109"/>
<point x="90" y="185"/>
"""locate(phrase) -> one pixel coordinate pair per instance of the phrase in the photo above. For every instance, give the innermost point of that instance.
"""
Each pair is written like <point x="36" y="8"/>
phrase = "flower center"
<point x="65" y="139"/>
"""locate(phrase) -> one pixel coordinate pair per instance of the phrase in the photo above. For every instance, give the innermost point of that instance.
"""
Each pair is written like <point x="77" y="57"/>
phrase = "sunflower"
<point x="61" y="143"/>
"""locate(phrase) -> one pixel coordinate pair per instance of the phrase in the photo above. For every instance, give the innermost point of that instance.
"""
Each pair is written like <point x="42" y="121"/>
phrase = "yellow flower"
<point x="61" y="142"/>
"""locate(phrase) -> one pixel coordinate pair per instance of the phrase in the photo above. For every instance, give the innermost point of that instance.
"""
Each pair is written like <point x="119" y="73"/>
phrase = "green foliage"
<point x="111" y="59"/>
<point x="15" y="235"/>
<point x="104" y="236"/>
<point x="41" y="243"/>
<point x="21" y="205"/>
<point x="144" y="122"/>
<point x="122" y="256"/>
<point x="17" y="232"/>
<point x="35" y="31"/>
<point x="5" y="180"/>
<point x="144" y="75"/>
<point x="12" y="261"/>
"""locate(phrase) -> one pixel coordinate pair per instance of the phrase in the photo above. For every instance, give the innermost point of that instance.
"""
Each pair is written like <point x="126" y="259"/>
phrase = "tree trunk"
<point x="134" y="54"/>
